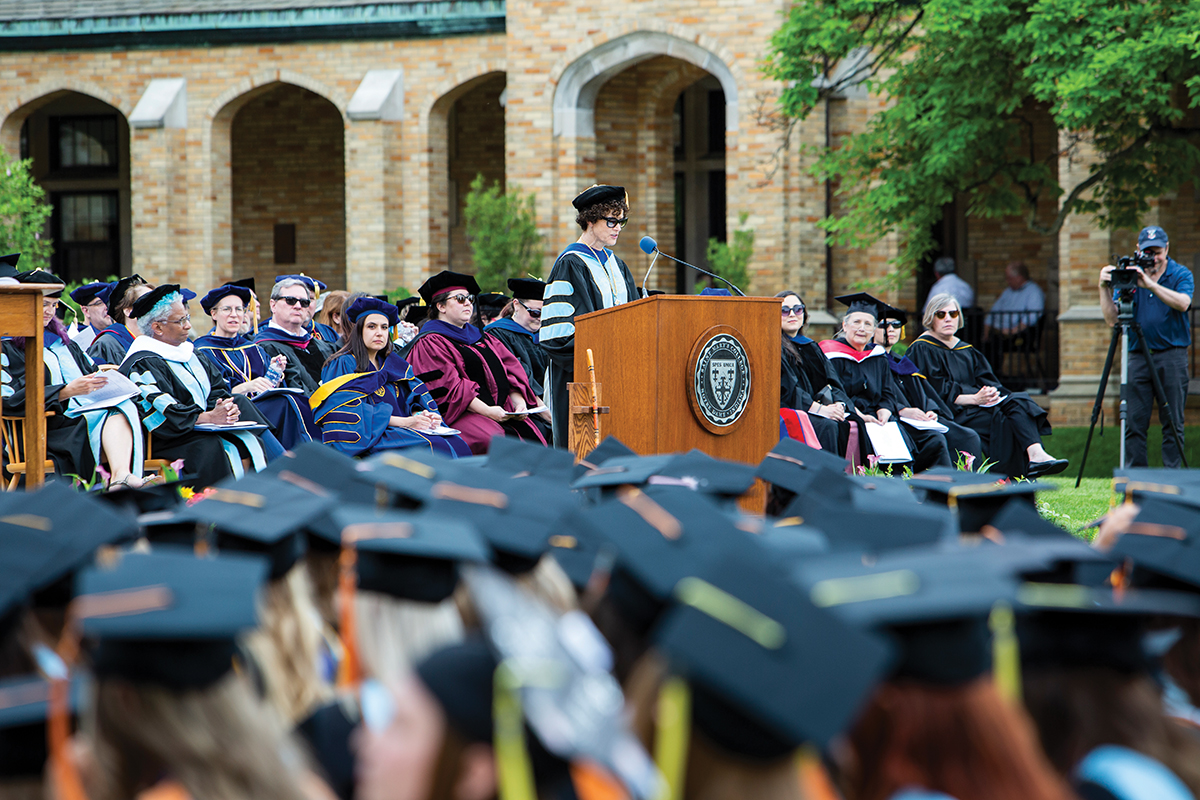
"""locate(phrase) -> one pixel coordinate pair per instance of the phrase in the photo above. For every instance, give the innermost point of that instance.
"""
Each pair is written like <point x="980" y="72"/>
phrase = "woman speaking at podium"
<point x="586" y="277"/>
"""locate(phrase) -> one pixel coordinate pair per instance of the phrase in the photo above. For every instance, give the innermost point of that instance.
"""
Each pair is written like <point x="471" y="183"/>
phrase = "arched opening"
<point x="80" y="151"/>
<point x="287" y="186"/>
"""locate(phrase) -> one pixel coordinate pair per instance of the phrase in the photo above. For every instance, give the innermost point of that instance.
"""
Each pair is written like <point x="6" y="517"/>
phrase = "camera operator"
<point x="1161" y="302"/>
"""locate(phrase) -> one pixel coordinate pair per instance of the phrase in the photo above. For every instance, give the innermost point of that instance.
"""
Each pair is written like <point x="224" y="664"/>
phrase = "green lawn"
<point x="1068" y="443"/>
<point x="1073" y="508"/>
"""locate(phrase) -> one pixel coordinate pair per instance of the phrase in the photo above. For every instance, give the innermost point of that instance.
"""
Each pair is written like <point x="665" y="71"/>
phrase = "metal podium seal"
<point x="720" y="386"/>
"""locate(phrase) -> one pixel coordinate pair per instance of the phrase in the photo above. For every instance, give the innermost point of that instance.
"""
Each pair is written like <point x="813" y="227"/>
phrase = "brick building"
<point x="203" y="140"/>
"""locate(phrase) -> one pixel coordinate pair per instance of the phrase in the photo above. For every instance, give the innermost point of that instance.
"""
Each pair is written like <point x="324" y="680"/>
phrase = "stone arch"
<point x="15" y="109"/>
<point x="248" y="87"/>
<point x="581" y="80"/>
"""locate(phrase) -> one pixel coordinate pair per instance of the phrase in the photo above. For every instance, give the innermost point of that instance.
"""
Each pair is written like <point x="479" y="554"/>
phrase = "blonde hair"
<point x="287" y="646"/>
<point x="394" y="634"/>
<point x="936" y="304"/>
<point x="550" y="584"/>
<point x="217" y="742"/>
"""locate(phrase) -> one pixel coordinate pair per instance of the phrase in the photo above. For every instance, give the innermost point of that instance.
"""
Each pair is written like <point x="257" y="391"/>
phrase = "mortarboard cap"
<point x="862" y="302"/>
<point x="119" y="291"/>
<point x="599" y="195"/>
<point x="24" y="709"/>
<point x="180" y="616"/>
<point x="707" y="475"/>
<point x="1163" y="542"/>
<point x="315" y="286"/>
<point x="8" y="265"/>
<point x="631" y="470"/>
<point x="792" y="465"/>
<point x="774" y="674"/>
<point x="792" y="539"/>
<point x="527" y="288"/>
<point x="331" y="469"/>
<point x="245" y="283"/>
<point x="512" y="456"/>
<point x="446" y="281"/>
<point x="91" y="291"/>
<point x="492" y="302"/>
<point x="41" y="276"/>
<point x="187" y="294"/>
<point x="371" y="305"/>
<point x="611" y="447"/>
<point x="869" y="521"/>
<point x="1018" y="516"/>
<point x="216" y="295"/>
<point x="887" y="311"/>
<point x="146" y="303"/>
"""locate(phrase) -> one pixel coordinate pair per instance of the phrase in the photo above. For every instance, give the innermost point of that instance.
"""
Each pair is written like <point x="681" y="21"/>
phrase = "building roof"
<point x="14" y="10"/>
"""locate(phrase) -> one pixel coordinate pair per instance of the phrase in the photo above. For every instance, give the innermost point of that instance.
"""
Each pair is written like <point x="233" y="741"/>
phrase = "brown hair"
<point x="966" y="741"/>
<point x="354" y="345"/>
<point x="597" y="212"/>
<point x="787" y="348"/>
<point x="335" y="302"/>
<point x="1182" y="662"/>
<point x="1077" y="709"/>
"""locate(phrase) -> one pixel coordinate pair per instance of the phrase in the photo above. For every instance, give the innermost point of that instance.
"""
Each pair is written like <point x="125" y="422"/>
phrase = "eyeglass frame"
<point x="943" y="313"/>
<point x="229" y="309"/>
<point x="892" y="323"/>
<point x="461" y="299"/>
<point x="613" y="222"/>
<point x="303" y="302"/>
<point x="536" y="313"/>
<point x="788" y="311"/>
<point x="185" y="318"/>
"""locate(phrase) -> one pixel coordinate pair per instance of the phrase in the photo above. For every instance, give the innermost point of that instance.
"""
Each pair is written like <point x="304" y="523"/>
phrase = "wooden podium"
<point x="21" y="315"/>
<point x="679" y="372"/>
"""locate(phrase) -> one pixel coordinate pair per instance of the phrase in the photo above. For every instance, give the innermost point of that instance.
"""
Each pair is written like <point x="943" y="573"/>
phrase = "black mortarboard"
<point x="332" y="470"/>
<point x="446" y="281"/>
<point x="715" y="476"/>
<point x="179" y="616"/>
<point x="512" y="456"/>
<point x="887" y="311"/>
<point x="1162" y="542"/>
<point x="213" y="297"/>
<point x="935" y="483"/>
<point x="872" y="523"/>
<point x="1018" y="516"/>
<point x="246" y="283"/>
<point x="118" y="294"/>
<point x="598" y="195"/>
<point x="90" y="291"/>
<point x="372" y="305"/>
<point x="792" y="539"/>
<point x="408" y="480"/>
<point x="791" y="465"/>
<point x="861" y="301"/>
<point x="611" y="447"/>
<point x="265" y="515"/>
<point x="146" y="303"/>
<point x="623" y="470"/>
<point x="977" y="497"/>
<point x="41" y="276"/>
<point x="8" y="265"/>
<point x="491" y="302"/>
<point x="24" y="709"/>
<point x="527" y="288"/>
<point x="406" y="555"/>
<point x="406" y="302"/>
<point x="769" y="670"/>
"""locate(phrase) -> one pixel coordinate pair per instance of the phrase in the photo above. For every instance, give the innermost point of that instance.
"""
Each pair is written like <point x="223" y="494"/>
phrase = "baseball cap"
<point x="1152" y="236"/>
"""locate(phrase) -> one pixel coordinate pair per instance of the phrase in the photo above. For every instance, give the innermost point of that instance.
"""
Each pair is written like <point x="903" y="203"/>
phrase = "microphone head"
<point x="648" y="245"/>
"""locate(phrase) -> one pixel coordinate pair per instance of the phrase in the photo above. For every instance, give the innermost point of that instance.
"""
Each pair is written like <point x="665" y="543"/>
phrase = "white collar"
<point x="273" y="324"/>
<point x="148" y="344"/>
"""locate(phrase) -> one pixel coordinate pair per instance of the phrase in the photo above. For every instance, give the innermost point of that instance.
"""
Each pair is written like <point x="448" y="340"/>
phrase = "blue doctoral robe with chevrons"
<point x="579" y="283"/>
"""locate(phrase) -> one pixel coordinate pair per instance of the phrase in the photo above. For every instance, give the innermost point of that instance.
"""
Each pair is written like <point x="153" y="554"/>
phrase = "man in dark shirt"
<point x="1162" y="300"/>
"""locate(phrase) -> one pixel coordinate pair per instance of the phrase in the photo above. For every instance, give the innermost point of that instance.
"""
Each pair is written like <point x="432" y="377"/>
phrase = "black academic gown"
<point x="807" y="378"/>
<point x="920" y="395"/>
<point x="872" y="387"/>
<point x="66" y="437"/>
<point x="110" y="345"/>
<point x="574" y="288"/>
<point x="305" y="355"/>
<point x="533" y="357"/>
<point x="1005" y="430"/>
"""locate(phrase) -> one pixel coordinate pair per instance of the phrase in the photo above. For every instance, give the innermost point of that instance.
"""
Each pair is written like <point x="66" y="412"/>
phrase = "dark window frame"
<point x="56" y="124"/>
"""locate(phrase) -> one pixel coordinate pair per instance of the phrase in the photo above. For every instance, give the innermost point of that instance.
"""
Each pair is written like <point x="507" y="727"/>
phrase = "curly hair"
<point x="599" y="211"/>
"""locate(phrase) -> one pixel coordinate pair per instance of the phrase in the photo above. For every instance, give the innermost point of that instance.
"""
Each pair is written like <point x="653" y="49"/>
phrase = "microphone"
<point x="648" y="246"/>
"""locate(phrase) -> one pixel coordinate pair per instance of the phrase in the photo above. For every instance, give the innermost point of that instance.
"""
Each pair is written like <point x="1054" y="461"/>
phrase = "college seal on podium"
<point x="720" y="379"/>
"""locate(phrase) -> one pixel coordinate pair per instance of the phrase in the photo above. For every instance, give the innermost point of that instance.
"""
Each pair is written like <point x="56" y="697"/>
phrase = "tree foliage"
<point x="732" y="261"/>
<point x="23" y="214"/>
<point x="502" y="230"/>
<point x="959" y="77"/>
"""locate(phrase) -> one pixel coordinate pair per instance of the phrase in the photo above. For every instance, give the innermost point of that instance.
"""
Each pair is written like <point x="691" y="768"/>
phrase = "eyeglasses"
<point x="96" y="304"/>
<point x="536" y="313"/>
<point x="893" y="323"/>
<point x="184" y="320"/>
<point x="462" y="298"/>
<point x="229" y="310"/>
<point x="952" y="313"/>
<point x="613" y="222"/>
<point x="789" y="310"/>
<point x="303" y="302"/>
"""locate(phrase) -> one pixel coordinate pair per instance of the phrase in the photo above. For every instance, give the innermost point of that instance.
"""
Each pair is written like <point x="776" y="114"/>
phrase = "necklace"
<point x="612" y="284"/>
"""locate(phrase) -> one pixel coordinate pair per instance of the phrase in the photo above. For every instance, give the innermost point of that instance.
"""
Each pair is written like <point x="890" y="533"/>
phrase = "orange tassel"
<point x="349" y="673"/>
<point x="58" y="723"/>
<point x="814" y="780"/>
<point x="593" y="782"/>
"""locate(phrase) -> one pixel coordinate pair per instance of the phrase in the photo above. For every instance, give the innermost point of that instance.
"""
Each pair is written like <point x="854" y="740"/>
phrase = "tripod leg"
<point x="1099" y="404"/>
<point x="1160" y="394"/>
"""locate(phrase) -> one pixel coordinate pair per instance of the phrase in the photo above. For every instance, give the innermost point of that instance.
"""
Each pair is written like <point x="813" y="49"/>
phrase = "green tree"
<point x="502" y="230"/>
<point x="1121" y="78"/>
<point x="732" y="261"/>
<point x="23" y="214"/>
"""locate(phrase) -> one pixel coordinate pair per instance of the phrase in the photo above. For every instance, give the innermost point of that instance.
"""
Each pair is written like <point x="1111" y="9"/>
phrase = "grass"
<point x="1105" y="451"/>
<point x="1072" y="508"/>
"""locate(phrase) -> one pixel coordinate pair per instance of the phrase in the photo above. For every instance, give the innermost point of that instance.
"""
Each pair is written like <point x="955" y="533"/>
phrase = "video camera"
<point x="1124" y="281"/>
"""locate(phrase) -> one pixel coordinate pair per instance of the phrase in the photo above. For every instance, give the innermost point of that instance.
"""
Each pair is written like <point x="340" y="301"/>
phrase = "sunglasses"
<point x="893" y="323"/>
<point x="789" y="310"/>
<point x="536" y="313"/>
<point x="952" y="313"/>
<point x="303" y="302"/>
<point x="613" y="222"/>
<point x="462" y="298"/>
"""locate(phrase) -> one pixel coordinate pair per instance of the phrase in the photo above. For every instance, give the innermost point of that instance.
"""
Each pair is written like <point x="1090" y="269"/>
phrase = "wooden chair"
<point x="14" y="451"/>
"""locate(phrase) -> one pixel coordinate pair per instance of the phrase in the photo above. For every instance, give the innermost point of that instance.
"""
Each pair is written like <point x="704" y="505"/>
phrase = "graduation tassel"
<point x="349" y="673"/>
<point x="673" y="730"/>
<point x="1006" y="657"/>
<point x="512" y="757"/>
<point x="68" y="784"/>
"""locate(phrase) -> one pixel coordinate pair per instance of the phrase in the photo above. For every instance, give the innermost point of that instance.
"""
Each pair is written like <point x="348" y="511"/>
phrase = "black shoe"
<point x="1039" y="468"/>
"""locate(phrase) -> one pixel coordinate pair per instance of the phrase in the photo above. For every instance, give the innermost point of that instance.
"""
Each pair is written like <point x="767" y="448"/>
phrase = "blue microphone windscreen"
<point x="648" y="245"/>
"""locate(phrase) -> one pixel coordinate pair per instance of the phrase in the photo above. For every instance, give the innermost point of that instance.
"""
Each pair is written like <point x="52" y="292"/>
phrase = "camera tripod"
<point x="1126" y="324"/>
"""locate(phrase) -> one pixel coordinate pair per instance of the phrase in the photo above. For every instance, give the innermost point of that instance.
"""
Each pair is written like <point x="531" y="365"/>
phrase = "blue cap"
<point x="1152" y="236"/>
<point x="710" y="291"/>
<point x="213" y="297"/>
<point x="315" y="286"/>
<point x="372" y="305"/>
<point x="92" y="291"/>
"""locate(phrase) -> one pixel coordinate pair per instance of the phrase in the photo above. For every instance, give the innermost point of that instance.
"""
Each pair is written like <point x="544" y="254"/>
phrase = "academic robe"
<point x="920" y="395"/>
<point x="461" y="364"/>
<point x="868" y="381"/>
<point x="318" y="330"/>
<point x="579" y="283"/>
<point x="812" y="379"/>
<point x="354" y="409"/>
<point x="533" y="357"/>
<point x="306" y="356"/>
<point x="110" y="345"/>
<point x="176" y="386"/>
<point x="239" y="359"/>
<point x="1005" y="430"/>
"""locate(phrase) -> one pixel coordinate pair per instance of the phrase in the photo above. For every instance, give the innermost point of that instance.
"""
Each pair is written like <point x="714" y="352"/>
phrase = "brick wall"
<point x="288" y="167"/>
<point x="476" y="146"/>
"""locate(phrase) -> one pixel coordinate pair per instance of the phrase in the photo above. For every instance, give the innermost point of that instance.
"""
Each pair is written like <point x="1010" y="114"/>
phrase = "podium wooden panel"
<point x="643" y="353"/>
<point x="21" y="315"/>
